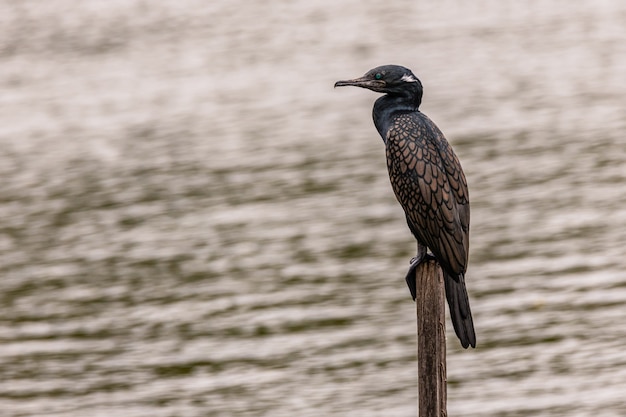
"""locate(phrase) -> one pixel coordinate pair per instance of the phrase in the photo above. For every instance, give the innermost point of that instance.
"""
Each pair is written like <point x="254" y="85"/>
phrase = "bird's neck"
<point x="389" y="105"/>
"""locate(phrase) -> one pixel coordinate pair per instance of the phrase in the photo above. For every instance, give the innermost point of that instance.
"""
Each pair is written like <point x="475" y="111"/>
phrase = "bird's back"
<point x="429" y="183"/>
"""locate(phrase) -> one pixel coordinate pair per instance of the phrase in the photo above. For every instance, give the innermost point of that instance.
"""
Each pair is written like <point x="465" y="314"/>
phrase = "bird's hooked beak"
<point x="363" y="82"/>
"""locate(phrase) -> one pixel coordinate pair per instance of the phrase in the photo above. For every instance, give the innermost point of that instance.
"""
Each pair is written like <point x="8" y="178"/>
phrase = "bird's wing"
<point x="427" y="179"/>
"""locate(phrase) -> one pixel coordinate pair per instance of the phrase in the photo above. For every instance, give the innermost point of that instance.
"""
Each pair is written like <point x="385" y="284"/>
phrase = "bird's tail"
<point x="460" y="312"/>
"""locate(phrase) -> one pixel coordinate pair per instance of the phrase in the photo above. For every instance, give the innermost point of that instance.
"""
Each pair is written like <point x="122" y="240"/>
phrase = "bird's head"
<point x="393" y="80"/>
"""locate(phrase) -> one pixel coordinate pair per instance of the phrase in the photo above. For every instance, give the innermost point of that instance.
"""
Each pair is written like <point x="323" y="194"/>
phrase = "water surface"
<point x="194" y="223"/>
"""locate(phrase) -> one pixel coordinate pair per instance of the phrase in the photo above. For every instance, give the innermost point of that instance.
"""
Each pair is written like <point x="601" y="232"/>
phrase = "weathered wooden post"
<point x="431" y="340"/>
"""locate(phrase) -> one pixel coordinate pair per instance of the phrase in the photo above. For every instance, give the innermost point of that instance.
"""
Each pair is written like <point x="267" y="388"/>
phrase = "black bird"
<point x="428" y="181"/>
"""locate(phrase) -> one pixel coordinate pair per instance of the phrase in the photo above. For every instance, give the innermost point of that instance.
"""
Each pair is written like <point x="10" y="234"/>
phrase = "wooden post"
<point x="431" y="340"/>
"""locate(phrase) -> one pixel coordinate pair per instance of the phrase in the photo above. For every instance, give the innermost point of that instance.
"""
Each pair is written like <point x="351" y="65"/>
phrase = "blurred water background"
<point x="194" y="223"/>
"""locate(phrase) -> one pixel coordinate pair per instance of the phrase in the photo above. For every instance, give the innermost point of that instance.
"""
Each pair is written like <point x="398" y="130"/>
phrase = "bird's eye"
<point x="378" y="76"/>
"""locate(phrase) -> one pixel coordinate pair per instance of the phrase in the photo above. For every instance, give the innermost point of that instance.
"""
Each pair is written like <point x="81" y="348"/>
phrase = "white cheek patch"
<point x="409" y="78"/>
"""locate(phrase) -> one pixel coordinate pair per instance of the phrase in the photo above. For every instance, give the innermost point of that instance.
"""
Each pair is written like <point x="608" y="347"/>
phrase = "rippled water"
<point x="194" y="223"/>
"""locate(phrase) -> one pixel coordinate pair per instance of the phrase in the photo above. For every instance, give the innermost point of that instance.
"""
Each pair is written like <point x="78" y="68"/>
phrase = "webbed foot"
<point x="410" y="275"/>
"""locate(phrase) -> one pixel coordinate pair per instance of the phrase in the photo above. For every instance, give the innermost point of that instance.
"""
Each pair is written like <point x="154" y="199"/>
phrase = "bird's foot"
<point x="410" y="275"/>
<point x="419" y="259"/>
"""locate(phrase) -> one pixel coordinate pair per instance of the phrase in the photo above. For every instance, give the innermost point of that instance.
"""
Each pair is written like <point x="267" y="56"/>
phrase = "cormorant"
<point x="428" y="181"/>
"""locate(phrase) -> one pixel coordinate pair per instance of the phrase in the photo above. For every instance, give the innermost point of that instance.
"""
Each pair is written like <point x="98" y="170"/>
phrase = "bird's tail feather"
<point x="460" y="312"/>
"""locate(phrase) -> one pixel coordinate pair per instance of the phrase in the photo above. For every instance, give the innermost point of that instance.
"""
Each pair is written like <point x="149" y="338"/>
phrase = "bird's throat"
<point x="385" y="108"/>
